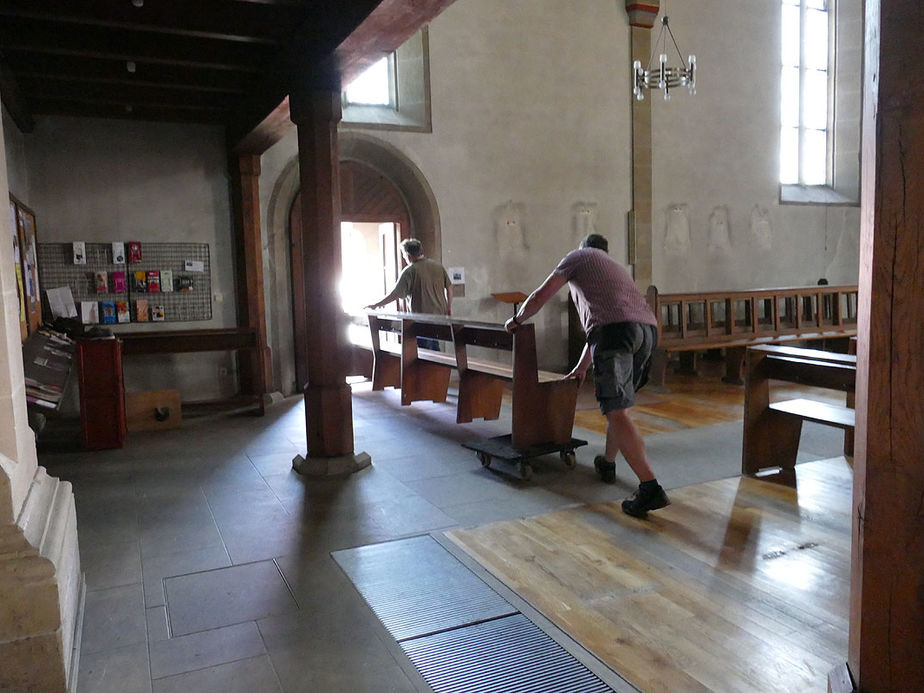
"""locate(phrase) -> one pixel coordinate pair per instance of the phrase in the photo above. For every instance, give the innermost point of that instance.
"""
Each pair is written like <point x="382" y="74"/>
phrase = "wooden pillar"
<point x="887" y="570"/>
<point x="256" y="374"/>
<point x="328" y="403"/>
<point x="641" y="18"/>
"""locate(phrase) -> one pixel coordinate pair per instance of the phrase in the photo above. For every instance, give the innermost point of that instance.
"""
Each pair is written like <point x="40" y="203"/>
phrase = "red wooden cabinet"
<point x="102" y="394"/>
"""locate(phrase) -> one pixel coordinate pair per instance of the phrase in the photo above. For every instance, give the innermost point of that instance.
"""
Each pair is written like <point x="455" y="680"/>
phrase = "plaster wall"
<point x="15" y="159"/>
<point x="531" y="139"/>
<point x="717" y="153"/>
<point x="111" y="180"/>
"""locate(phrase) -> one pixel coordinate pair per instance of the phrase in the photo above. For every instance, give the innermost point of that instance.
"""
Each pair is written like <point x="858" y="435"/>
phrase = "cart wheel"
<point x="526" y="471"/>
<point x="485" y="459"/>
<point x="569" y="458"/>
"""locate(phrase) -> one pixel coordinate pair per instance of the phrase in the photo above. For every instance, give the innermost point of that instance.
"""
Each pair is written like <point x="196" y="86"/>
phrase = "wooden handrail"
<point x="713" y="318"/>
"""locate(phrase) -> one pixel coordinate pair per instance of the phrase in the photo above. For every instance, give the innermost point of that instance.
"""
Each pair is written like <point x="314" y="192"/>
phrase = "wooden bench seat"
<point x="819" y="412"/>
<point x="772" y="429"/>
<point x="542" y="402"/>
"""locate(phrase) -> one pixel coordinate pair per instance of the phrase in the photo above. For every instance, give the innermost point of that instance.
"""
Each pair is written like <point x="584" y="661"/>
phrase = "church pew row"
<point x="734" y="320"/>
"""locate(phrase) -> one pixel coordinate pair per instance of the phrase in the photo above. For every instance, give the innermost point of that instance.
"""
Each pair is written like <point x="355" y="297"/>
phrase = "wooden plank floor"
<point x="739" y="585"/>
<point x="690" y="401"/>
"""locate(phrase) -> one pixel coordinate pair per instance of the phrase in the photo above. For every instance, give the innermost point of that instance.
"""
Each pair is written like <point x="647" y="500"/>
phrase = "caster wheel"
<point x="526" y="471"/>
<point x="485" y="459"/>
<point x="569" y="458"/>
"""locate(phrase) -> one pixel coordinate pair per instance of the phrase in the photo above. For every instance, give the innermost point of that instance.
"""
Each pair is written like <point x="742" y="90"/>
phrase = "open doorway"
<point x="378" y="184"/>
<point x="374" y="218"/>
<point x="370" y="261"/>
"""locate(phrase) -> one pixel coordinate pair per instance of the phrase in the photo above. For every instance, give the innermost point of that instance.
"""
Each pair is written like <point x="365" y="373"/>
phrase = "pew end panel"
<point x="386" y="356"/>
<point x="543" y="408"/>
<point x="425" y="373"/>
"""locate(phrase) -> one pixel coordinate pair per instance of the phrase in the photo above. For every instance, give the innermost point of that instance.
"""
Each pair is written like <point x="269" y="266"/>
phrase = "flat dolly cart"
<point x="502" y="448"/>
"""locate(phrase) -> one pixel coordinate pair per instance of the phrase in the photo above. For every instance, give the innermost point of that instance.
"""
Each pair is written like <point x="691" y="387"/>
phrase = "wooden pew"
<point x="542" y="402"/>
<point x="735" y="320"/>
<point x="772" y="429"/>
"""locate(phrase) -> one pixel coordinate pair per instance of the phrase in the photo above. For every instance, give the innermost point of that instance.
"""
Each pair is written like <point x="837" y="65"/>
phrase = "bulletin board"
<point x="26" y="244"/>
<point x="17" y="262"/>
<point x="188" y="263"/>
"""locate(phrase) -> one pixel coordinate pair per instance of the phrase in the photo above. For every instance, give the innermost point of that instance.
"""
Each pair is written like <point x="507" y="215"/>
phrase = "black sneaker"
<point x="606" y="470"/>
<point x="645" y="499"/>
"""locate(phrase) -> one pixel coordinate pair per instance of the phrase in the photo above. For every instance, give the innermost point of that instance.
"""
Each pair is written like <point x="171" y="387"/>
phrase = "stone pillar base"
<point x="331" y="466"/>
<point x="41" y="591"/>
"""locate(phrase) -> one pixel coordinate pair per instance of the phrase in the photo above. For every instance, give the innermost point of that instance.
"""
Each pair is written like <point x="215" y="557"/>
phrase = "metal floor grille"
<point x="459" y="633"/>
<point x="510" y="654"/>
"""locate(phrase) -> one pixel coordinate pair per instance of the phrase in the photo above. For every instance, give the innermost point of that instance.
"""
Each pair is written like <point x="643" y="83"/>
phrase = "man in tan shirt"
<point x="424" y="282"/>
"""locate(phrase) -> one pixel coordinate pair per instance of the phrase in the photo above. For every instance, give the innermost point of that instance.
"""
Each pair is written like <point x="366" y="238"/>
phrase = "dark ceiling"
<point x="229" y="62"/>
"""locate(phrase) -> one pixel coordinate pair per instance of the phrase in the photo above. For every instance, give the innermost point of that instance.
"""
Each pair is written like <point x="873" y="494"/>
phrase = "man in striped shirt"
<point x="621" y="334"/>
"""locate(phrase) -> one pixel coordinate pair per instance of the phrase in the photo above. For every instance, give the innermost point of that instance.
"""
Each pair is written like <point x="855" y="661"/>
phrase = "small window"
<point x="375" y="86"/>
<point x="394" y="93"/>
<point x="805" y="93"/>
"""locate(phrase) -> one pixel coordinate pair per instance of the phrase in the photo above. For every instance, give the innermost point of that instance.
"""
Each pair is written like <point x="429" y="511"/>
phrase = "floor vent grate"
<point x="510" y="654"/>
<point x="459" y="633"/>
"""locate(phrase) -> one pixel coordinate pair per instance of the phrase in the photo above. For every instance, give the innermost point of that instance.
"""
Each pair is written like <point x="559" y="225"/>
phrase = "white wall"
<point x="720" y="148"/>
<point x="530" y="106"/>
<point x="111" y="180"/>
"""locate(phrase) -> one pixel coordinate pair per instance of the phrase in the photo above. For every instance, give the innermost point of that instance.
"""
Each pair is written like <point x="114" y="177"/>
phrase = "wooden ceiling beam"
<point x="75" y="68"/>
<point x="152" y="112"/>
<point x="380" y="31"/>
<point x="391" y="24"/>
<point x="20" y="36"/>
<point x="216" y="19"/>
<point x="62" y="90"/>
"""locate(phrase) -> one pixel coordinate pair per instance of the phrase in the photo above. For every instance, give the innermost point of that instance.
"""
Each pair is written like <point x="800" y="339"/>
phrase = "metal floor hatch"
<point x="460" y="634"/>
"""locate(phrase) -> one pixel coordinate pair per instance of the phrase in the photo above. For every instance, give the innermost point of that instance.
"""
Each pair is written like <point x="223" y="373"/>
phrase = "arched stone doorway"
<point x="377" y="181"/>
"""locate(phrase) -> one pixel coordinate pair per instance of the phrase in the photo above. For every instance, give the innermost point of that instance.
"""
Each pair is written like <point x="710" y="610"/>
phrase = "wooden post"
<point x="256" y="370"/>
<point x="887" y="570"/>
<point x="328" y="403"/>
<point x="642" y="16"/>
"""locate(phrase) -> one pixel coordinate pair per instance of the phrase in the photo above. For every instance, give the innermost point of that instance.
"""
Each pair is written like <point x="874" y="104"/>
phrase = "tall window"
<point x="805" y="93"/>
<point x="375" y="86"/>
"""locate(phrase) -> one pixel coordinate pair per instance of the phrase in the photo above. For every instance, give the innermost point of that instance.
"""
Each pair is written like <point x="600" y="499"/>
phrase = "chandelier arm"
<point x="676" y="47"/>
<point x="654" y="48"/>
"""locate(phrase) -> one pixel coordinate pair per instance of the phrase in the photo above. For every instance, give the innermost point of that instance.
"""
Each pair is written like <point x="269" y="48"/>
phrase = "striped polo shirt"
<point x="602" y="289"/>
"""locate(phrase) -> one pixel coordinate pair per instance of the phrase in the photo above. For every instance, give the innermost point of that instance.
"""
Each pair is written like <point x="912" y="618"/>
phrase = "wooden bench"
<point x="192" y="341"/>
<point x="542" y="402"/>
<point x="772" y="429"/>
<point x="735" y="320"/>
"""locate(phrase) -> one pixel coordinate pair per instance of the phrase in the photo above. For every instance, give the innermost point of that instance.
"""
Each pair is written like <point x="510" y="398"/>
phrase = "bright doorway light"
<point x="369" y="270"/>
<point x="373" y="87"/>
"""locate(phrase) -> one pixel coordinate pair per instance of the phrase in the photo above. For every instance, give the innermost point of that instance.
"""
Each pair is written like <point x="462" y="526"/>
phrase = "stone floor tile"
<point x="254" y="675"/>
<point x="202" y="650"/>
<point x="124" y="670"/>
<point x="113" y="618"/>
<point x="203" y="601"/>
